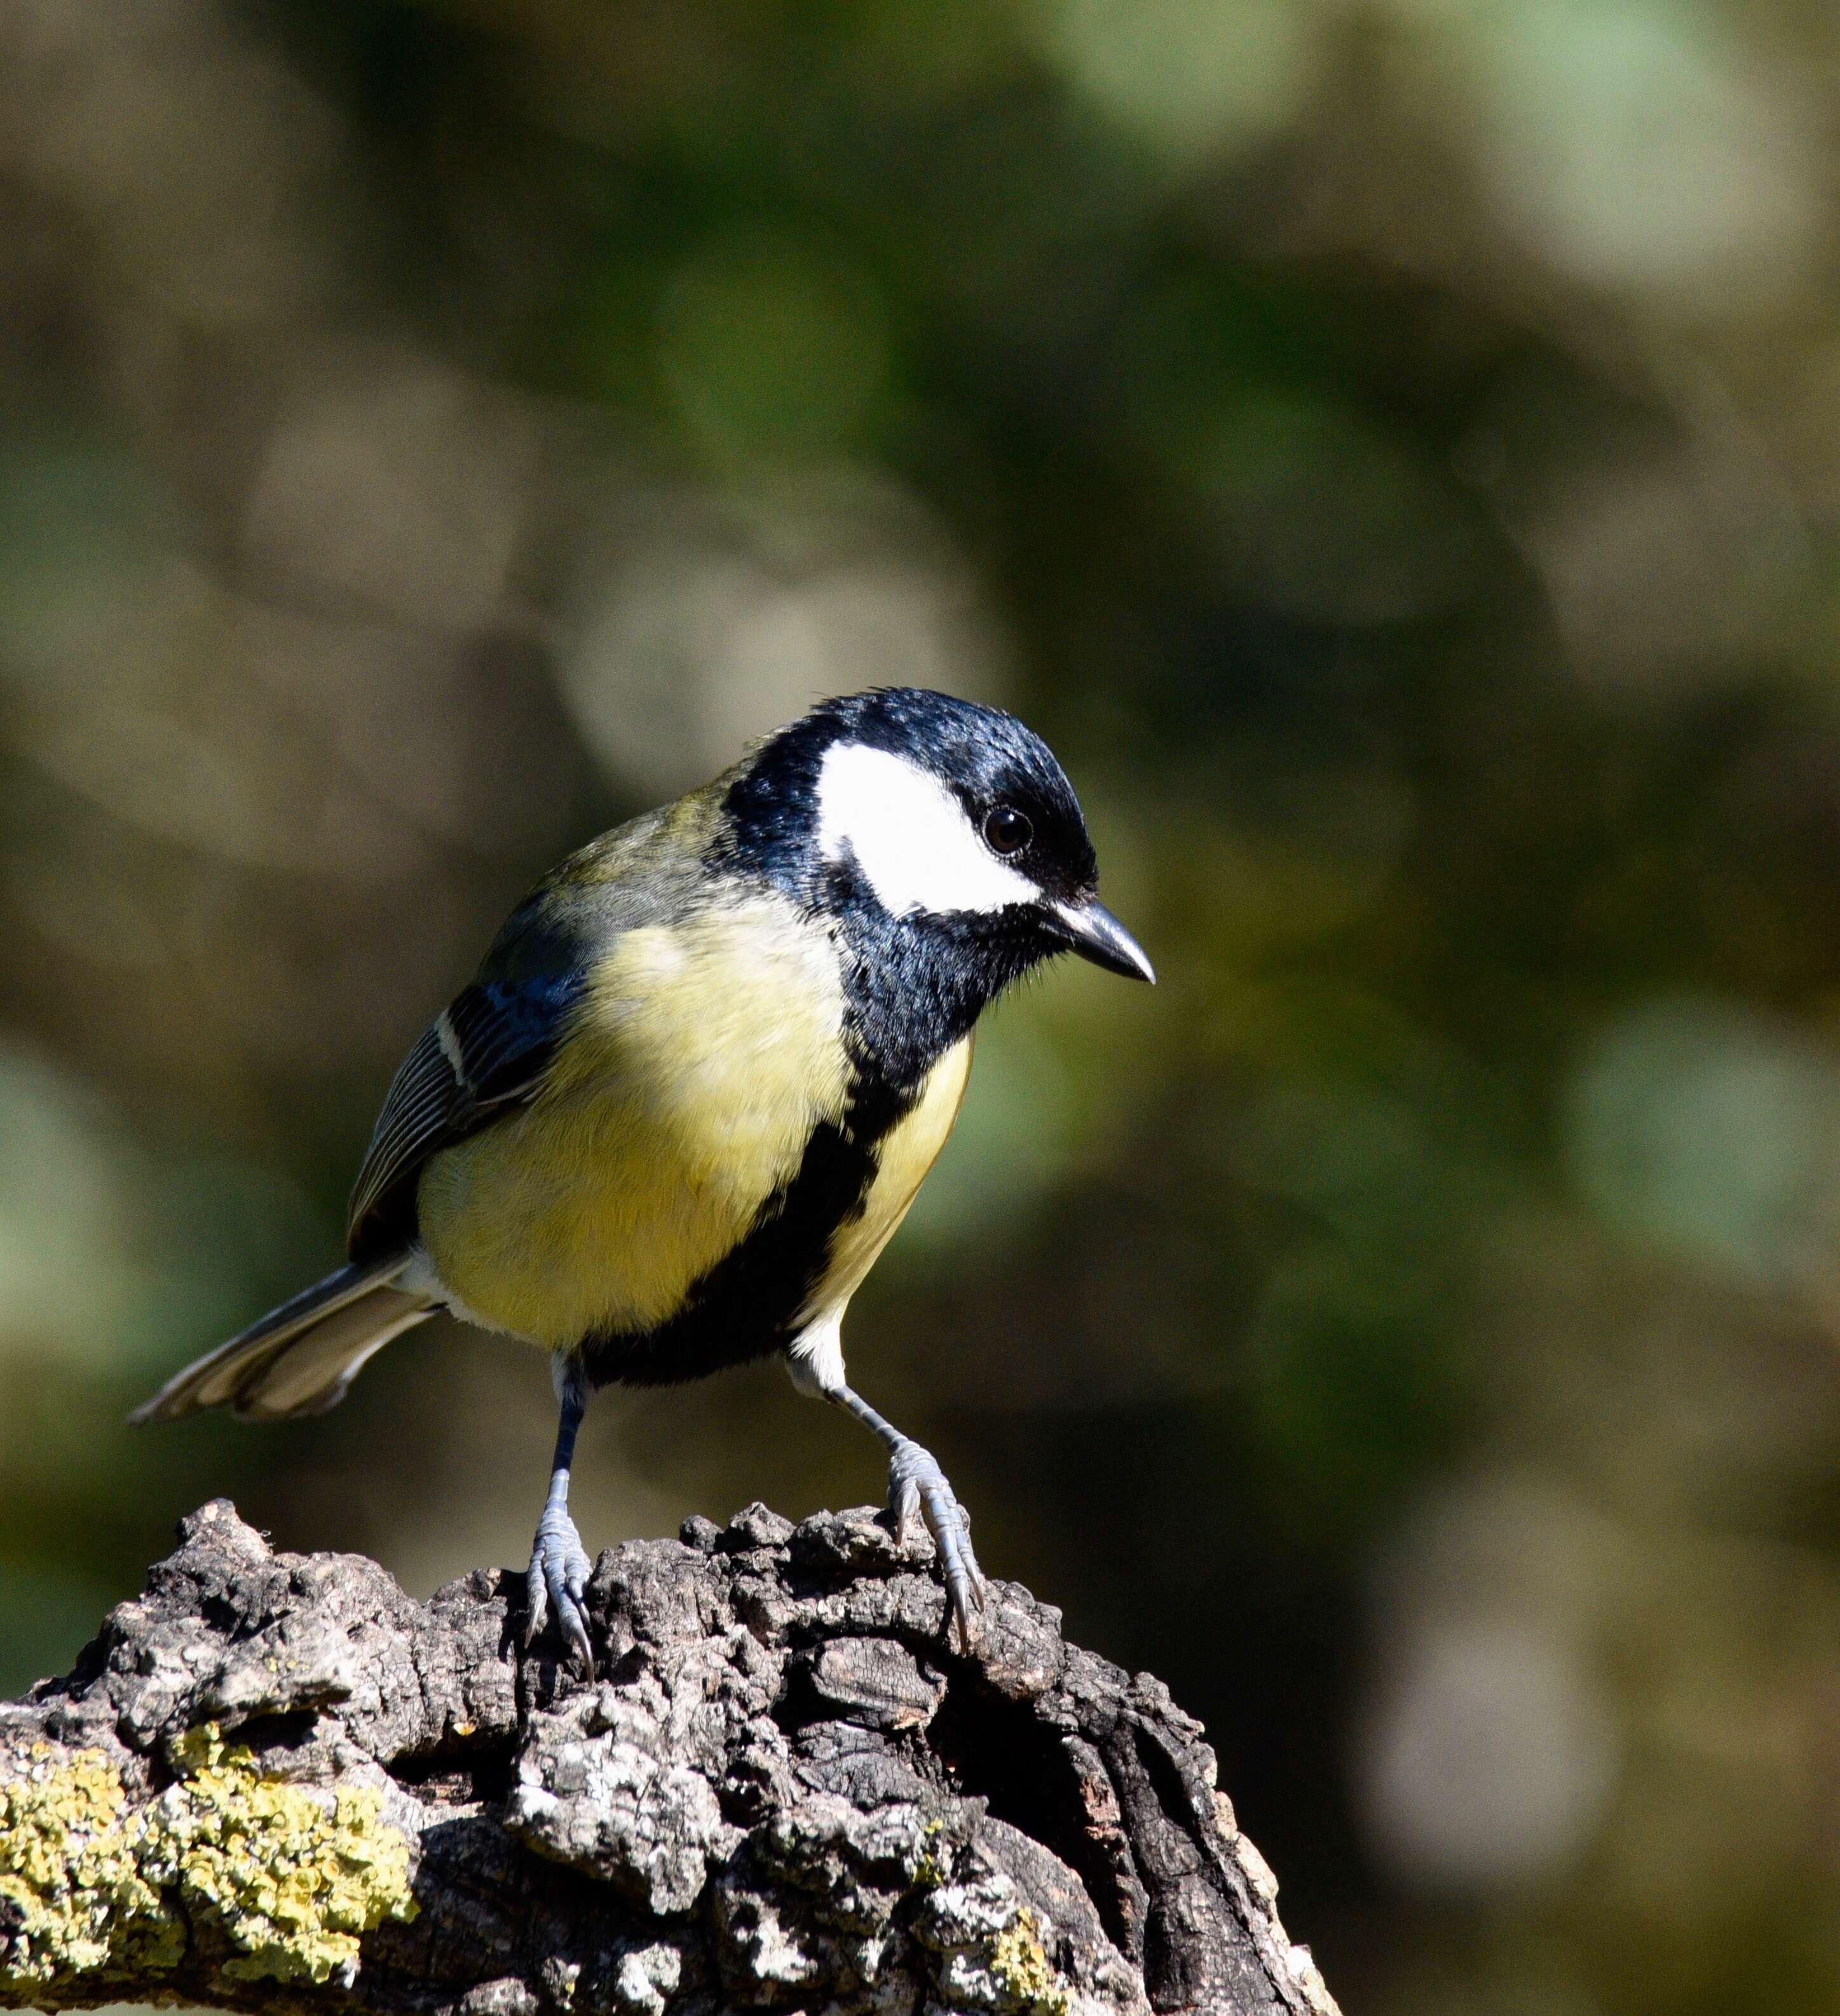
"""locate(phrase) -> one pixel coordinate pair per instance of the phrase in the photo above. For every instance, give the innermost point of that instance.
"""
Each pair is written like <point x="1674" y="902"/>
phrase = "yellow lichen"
<point x="68" y="1869"/>
<point x="290" y="1875"/>
<point x="294" y="1875"/>
<point x="1020" y="1962"/>
<point x="929" y="1866"/>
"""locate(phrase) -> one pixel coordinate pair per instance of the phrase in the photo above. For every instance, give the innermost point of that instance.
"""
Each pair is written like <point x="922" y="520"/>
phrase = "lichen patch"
<point x="290" y="1876"/>
<point x="77" y="1900"/>
<point x="990" y="1949"/>
<point x="1020" y="1961"/>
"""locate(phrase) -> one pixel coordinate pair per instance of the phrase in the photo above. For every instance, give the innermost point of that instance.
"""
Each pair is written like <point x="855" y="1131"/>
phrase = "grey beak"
<point x="1097" y="934"/>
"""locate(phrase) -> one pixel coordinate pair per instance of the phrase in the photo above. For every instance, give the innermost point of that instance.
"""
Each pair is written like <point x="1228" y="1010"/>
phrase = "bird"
<point x="694" y="1087"/>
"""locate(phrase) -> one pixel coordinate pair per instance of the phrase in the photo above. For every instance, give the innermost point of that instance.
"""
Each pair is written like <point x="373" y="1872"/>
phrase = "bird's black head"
<point x="941" y="838"/>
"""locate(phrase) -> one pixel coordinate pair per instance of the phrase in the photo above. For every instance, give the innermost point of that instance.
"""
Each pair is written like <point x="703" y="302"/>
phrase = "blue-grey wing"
<point x="488" y="1051"/>
<point x="484" y="1054"/>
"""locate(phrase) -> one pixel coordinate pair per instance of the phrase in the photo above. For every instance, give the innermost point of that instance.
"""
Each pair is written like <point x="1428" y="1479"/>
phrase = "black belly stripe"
<point x="747" y="1305"/>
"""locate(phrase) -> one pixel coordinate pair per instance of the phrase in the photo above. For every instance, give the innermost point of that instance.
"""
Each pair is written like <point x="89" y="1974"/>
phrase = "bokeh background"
<point x="1392" y="448"/>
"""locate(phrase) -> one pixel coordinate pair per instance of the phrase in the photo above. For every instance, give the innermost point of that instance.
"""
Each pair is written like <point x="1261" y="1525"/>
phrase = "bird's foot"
<point x="917" y="1490"/>
<point x="558" y="1577"/>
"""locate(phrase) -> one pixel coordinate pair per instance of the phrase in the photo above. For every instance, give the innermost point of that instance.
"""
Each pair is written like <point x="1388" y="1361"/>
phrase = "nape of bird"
<point x="695" y="1085"/>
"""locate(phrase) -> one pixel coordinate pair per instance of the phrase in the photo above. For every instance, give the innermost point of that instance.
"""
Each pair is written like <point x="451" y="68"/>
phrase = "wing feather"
<point x="487" y="1052"/>
<point x="483" y="1055"/>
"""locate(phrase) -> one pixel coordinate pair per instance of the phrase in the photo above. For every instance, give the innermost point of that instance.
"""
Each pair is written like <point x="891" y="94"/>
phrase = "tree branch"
<point x="274" y="1783"/>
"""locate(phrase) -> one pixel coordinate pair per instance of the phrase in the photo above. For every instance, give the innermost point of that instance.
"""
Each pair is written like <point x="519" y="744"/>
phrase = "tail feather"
<point x="300" y="1357"/>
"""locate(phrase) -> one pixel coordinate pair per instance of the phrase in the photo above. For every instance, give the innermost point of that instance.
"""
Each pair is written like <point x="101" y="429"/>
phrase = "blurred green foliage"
<point x="1389" y="447"/>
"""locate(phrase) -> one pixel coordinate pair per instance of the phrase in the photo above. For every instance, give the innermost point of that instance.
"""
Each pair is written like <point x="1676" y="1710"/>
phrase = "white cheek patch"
<point x="911" y="837"/>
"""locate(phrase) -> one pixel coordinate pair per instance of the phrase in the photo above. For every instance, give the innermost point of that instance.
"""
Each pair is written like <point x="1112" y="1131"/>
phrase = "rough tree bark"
<point x="275" y="1783"/>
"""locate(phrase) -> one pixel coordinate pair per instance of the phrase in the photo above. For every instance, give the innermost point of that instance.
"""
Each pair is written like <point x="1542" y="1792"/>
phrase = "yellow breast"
<point x="681" y="1100"/>
<point x="907" y="1151"/>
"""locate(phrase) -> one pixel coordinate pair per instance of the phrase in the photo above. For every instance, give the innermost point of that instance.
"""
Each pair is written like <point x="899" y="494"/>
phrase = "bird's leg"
<point x="917" y="1489"/>
<point x="559" y="1568"/>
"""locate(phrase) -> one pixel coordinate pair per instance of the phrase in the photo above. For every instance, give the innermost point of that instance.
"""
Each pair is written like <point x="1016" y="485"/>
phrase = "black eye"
<point x="1006" y="829"/>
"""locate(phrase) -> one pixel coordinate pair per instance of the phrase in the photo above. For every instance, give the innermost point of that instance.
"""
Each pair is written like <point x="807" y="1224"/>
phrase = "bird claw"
<point x="917" y="1491"/>
<point x="558" y="1577"/>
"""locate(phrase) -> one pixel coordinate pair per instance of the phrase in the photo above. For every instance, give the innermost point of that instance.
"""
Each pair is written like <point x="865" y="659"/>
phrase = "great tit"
<point x="695" y="1085"/>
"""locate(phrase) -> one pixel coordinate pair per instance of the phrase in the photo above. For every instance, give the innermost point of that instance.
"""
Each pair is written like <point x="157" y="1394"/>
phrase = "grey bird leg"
<point x="917" y="1489"/>
<point x="559" y="1567"/>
